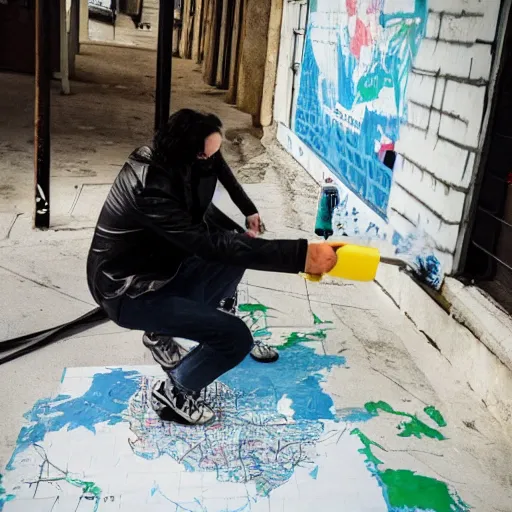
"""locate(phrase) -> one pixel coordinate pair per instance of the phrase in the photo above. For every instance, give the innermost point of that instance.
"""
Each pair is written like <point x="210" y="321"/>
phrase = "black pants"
<point x="187" y="308"/>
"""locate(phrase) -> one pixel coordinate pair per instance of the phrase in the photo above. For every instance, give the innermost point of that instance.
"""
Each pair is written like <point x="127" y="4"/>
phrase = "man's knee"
<point x="241" y="340"/>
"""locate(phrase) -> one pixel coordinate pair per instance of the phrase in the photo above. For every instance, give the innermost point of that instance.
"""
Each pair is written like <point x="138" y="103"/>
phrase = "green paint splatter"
<point x="435" y="415"/>
<point x="300" y="337"/>
<point x="318" y="321"/>
<point x="405" y="490"/>
<point x="256" y="318"/>
<point x="367" y="450"/>
<point x="408" y="491"/>
<point x="253" y="308"/>
<point x="4" y="497"/>
<point x="414" y="427"/>
<point x="87" y="487"/>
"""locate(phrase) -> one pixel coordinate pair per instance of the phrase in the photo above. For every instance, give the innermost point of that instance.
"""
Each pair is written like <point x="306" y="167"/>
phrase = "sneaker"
<point x="264" y="353"/>
<point x="190" y="409"/>
<point x="164" y="349"/>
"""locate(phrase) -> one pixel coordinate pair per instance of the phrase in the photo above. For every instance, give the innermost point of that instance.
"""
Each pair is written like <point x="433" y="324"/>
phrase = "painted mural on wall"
<point x="352" y="94"/>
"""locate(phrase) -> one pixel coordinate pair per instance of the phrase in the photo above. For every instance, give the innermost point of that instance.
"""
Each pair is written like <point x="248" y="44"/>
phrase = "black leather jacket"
<point x="154" y="218"/>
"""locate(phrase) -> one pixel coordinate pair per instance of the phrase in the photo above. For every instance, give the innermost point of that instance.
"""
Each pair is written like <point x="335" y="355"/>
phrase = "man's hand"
<point x="254" y="225"/>
<point x="321" y="258"/>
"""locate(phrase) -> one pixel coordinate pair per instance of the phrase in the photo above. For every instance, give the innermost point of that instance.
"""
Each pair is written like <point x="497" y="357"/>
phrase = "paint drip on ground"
<point x="72" y="413"/>
<point x="414" y="426"/>
<point x="404" y="490"/>
<point x="4" y="497"/>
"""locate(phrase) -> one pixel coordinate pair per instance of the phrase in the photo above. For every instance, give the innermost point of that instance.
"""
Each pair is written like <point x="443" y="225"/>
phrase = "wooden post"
<point x="211" y="49"/>
<point x="206" y="23"/>
<point x="185" y="20"/>
<point x="43" y="72"/>
<point x="164" y="63"/>
<point x="221" y="56"/>
<point x="236" y="52"/>
<point x="84" y="21"/>
<point x="197" y="31"/>
<point x="273" y="44"/>
<point x="190" y="29"/>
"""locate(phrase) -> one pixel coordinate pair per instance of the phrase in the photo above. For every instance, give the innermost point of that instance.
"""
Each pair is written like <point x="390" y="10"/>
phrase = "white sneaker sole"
<point x="158" y="395"/>
<point x="264" y="359"/>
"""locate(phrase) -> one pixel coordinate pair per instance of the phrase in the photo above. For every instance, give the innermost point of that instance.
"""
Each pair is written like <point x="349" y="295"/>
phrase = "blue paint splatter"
<point x="314" y="474"/>
<point x="104" y="401"/>
<point x="4" y="497"/>
<point x="354" y="415"/>
<point x="430" y="270"/>
<point x="262" y="333"/>
<point x="416" y="249"/>
<point x="296" y="375"/>
<point x="253" y="391"/>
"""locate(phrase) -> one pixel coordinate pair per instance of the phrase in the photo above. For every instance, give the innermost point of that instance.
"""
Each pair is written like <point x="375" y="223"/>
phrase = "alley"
<point x="375" y="410"/>
<point x="109" y="113"/>
<point x="361" y="413"/>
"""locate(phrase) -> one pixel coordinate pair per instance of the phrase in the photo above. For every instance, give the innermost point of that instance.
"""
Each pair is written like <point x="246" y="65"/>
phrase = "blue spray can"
<point x="329" y="199"/>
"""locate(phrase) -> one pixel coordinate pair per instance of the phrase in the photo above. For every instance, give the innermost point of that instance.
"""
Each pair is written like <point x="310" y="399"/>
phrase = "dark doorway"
<point x="489" y="258"/>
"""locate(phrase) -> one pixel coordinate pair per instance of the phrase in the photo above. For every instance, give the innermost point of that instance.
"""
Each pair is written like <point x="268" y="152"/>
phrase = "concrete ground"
<point x="387" y="361"/>
<point x="109" y="113"/>
<point x="125" y="32"/>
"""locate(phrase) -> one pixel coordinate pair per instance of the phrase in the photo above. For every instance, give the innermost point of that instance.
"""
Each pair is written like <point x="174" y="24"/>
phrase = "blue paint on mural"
<point x="353" y="87"/>
<point x="354" y="415"/>
<point x="298" y="377"/>
<point x="4" y="497"/>
<point x="104" y="401"/>
<point x="416" y="248"/>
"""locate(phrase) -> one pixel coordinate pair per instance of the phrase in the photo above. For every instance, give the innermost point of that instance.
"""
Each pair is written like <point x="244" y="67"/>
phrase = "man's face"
<point x="212" y="144"/>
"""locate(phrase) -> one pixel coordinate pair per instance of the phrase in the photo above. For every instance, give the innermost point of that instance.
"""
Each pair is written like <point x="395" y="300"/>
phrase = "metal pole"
<point x="43" y="73"/>
<point x="164" y="62"/>
<point x="64" y="50"/>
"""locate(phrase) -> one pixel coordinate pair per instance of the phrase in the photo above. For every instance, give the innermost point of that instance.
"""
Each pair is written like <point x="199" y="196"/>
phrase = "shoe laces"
<point x="261" y="343"/>
<point x="193" y="404"/>
<point x="190" y="402"/>
<point x="165" y="342"/>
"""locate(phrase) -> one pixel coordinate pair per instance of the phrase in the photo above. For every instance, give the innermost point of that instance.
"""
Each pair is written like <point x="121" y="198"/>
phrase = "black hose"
<point x="17" y="347"/>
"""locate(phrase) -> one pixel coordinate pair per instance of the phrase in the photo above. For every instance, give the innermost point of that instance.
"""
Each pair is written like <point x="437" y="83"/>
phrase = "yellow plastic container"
<point x="356" y="263"/>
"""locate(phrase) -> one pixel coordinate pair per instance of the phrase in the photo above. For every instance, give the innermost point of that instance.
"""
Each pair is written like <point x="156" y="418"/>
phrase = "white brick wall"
<point x="433" y="25"/>
<point x="461" y="120"/>
<point x="421" y="88"/>
<point x="470" y="28"/>
<point x="462" y="61"/>
<point x="446" y="105"/>
<point x="487" y="8"/>
<point x="447" y="202"/>
<point x="444" y="235"/>
<point x="418" y="116"/>
<point x="439" y="92"/>
<point x="445" y="161"/>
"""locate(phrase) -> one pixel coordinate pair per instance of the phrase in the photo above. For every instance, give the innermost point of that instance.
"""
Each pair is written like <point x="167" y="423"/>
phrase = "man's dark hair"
<point x="182" y="138"/>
